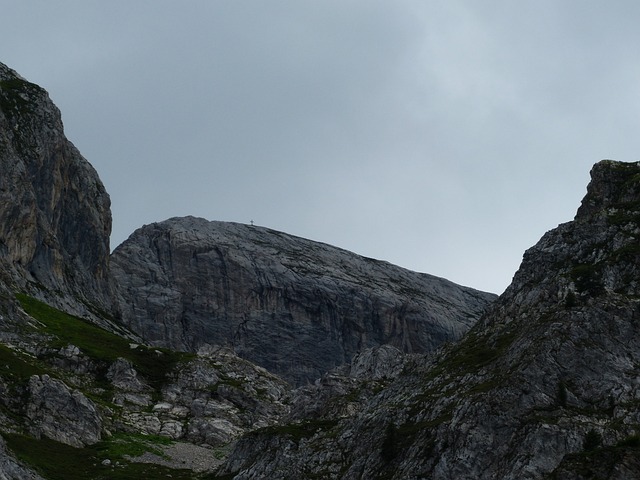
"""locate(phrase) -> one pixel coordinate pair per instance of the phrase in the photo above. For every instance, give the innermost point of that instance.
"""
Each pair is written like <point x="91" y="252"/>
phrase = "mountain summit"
<point x="296" y="307"/>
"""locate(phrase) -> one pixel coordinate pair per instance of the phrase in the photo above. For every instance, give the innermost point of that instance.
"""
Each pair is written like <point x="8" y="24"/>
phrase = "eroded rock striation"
<point x="291" y="305"/>
<point x="544" y="386"/>
<point x="55" y="217"/>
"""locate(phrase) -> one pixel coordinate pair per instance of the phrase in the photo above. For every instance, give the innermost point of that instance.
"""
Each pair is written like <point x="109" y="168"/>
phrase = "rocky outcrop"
<point x="544" y="386"/>
<point x="293" y="306"/>
<point x="11" y="469"/>
<point x="62" y="414"/>
<point x="85" y="395"/>
<point x="55" y="217"/>
<point x="211" y="399"/>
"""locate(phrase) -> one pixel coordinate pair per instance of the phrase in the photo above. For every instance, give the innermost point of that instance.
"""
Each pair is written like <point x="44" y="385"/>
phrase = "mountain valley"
<point x="217" y="350"/>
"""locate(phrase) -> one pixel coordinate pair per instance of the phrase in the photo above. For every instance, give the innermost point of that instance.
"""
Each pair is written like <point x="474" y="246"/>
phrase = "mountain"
<point x="55" y="217"/>
<point x="84" y="396"/>
<point x="545" y="385"/>
<point x="294" y="306"/>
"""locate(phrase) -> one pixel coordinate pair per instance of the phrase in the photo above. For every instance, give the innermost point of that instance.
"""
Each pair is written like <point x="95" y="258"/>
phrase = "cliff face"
<point x="293" y="306"/>
<point x="55" y="217"/>
<point x="544" y="386"/>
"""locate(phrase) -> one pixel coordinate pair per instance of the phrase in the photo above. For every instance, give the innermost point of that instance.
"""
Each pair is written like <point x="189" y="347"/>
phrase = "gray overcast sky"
<point x="442" y="136"/>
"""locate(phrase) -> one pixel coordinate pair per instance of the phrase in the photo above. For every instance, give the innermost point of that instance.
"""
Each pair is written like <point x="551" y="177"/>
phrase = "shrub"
<point x="592" y="440"/>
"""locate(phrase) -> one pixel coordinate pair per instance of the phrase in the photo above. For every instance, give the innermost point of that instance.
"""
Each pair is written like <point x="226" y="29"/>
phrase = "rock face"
<point x="10" y="469"/>
<point x="293" y="306"/>
<point x="544" y="386"/>
<point x="55" y="217"/>
<point x="62" y="414"/>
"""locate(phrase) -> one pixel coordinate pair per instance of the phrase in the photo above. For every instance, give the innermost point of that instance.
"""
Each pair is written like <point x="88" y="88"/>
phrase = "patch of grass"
<point x="477" y="351"/>
<point x="297" y="431"/>
<point x="101" y="345"/>
<point x="122" y="444"/>
<point x="16" y="366"/>
<point x="56" y="461"/>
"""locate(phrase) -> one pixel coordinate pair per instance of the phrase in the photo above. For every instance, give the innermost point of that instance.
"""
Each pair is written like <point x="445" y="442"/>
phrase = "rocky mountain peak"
<point x="292" y="305"/>
<point x="543" y="386"/>
<point x="614" y="186"/>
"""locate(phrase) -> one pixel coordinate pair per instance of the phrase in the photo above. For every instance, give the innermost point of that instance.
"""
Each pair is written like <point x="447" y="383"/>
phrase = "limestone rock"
<point x="55" y="217"/>
<point x="11" y="469"/>
<point x="296" y="307"/>
<point x="123" y="376"/>
<point x="62" y="414"/>
<point x="377" y="363"/>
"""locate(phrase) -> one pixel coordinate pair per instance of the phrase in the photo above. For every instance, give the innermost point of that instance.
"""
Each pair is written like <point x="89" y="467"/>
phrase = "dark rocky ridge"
<point x="55" y="217"/>
<point x="544" y="386"/>
<point x="291" y="305"/>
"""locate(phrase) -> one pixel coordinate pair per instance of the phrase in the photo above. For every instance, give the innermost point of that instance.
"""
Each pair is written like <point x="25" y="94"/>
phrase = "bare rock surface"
<point x="61" y="413"/>
<point x="11" y="469"/>
<point x="55" y="217"/>
<point x="294" y="306"/>
<point x="182" y="455"/>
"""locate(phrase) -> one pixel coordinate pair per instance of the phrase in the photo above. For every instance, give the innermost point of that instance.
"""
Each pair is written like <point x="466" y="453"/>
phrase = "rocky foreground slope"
<point x="544" y="386"/>
<point x="296" y="307"/>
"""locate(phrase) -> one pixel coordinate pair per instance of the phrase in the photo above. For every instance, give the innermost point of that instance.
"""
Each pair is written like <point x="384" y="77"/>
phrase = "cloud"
<point x="442" y="136"/>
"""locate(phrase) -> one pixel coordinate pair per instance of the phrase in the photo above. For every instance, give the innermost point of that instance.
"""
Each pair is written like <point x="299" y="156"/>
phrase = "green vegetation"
<point x="626" y="212"/>
<point x="477" y="351"/>
<point x="631" y="441"/>
<point x="627" y="253"/>
<point x="18" y="367"/>
<point x="122" y="444"/>
<point x="56" y="461"/>
<point x="297" y="431"/>
<point x="101" y="346"/>
<point x="592" y="440"/>
<point x="11" y="91"/>
<point x="587" y="278"/>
